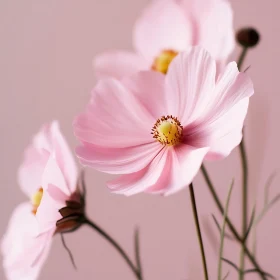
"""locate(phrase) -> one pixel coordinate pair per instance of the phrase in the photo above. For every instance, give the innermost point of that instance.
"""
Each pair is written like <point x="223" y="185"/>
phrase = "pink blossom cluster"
<point x="155" y="114"/>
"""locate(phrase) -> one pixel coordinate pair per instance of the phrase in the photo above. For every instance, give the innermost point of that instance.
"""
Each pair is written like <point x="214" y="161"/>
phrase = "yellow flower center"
<point x="168" y="131"/>
<point x="36" y="200"/>
<point x="161" y="62"/>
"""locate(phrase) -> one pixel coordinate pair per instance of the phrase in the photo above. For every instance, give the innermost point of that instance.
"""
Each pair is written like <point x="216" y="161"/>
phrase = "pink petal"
<point x="31" y="170"/>
<point x="162" y="26"/>
<point x="189" y="82"/>
<point x="64" y="157"/>
<point x="181" y="168"/>
<point x="213" y="22"/>
<point x="118" y="161"/>
<point x="137" y="182"/>
<point x="53" y="176"/>
<point x="118" y="64"/>
<point x="221" y="126"/>
<point x="170" y="171"/>
<point x="114" y="118"/>
<point x="55" y="194"/>
<point x="149" y="89"/>
<point x="20" y="247"/>
<point x="48" y="141"/>
<point x="229" y="134"/>
<point x="232" y="86"/>
<point x="48" y="212"/>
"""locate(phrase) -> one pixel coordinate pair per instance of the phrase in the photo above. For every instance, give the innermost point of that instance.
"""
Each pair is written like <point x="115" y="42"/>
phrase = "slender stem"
<point x="115" y="245"/>
<point x="68" y="251"/>
<point x="137" y="253"/>
<point x="244" y="163"/>
<point x="242" y="58"/>
<point x="195" y="214"/>
<point x="231" y="226"/>
<point x="222" y="238"/>
<point x="244" y="207"/>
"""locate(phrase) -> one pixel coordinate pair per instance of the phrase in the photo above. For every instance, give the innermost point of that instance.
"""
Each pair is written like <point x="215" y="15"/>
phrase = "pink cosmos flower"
<point x="155" y="130"/>
<point x="167" y="27"/>
<point x="48" y="177"/>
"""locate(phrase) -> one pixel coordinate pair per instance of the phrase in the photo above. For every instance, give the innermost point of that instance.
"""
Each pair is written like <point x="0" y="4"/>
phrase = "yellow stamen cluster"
<point x="168" y="131"/>
<point x="36" y="200"/>
<point x="162" y="62"/>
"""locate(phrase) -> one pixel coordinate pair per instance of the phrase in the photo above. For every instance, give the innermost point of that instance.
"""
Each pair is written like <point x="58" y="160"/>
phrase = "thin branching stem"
<point x="230" y="224"/>
<point x="115" y="245"/>
<point x="199" y="235"/>
<point x="244" y="163"/>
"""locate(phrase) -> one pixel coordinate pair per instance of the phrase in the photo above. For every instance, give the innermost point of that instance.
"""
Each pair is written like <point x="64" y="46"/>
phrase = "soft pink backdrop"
<point x="46" y="73"/>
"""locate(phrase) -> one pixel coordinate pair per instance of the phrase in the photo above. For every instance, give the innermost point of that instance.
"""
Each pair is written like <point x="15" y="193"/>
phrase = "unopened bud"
<point x="248" y="37"/>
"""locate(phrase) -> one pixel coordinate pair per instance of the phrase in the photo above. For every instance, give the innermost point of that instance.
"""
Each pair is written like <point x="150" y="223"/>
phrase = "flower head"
<point x="48" y="176"/>
<point x="167" y="27"/>
<point x="156" y="129"/>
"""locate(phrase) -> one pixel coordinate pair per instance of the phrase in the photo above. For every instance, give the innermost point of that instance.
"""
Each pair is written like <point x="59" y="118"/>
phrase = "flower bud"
<point x="248" y="37"/>
<point x="72" y="214"/>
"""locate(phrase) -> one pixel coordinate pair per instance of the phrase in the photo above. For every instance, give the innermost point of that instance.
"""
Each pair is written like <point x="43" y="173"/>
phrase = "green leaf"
<point x="267" y="187"/>
<point x="223" y="233"/>
<point x="226" y="276"/>
<point x="231" y="264"/>
<point x="250" y="224"/>
<point x="219" y="228"/>
<point x="266" y="209"/>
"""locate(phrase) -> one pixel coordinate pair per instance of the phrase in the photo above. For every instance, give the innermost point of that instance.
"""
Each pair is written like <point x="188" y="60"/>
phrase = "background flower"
<point x="48" y="176"/>
<point x="167" y="27"/>
<point x="156" y="129"/>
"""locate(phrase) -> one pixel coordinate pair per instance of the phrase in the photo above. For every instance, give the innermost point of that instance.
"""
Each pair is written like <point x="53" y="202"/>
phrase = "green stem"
<point x="195" y="214"/>
<point x="222" y="238"/>
<point x="230" y="224"/>
<point x="242" y="57"/>
<point x="244" y="163"/>
<point x="115" y="245"/>
<point x="137" y="252"/>
<point x="244" y="207"/>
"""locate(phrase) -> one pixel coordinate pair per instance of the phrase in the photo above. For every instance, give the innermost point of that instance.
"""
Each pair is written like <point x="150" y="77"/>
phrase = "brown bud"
<point x="248" y="37"/>
<point x="72" y="214"/>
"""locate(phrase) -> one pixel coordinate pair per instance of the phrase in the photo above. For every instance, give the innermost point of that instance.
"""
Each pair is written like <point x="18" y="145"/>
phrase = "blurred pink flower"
<point x="156" y="129"/>
<point x="48" y="176"/>
<point x="167" y="27"/>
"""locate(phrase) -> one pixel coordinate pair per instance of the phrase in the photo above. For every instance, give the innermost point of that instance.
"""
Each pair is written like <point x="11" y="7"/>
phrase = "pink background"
<point x="46" y="73"/>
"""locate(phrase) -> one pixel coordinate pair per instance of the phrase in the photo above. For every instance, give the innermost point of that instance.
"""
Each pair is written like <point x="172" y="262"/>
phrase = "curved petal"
<point x="231" y="87"/>
<point x="173" y="169"/>
<point x="48" y="141"/>
<point x="213" y="20"/>
<point x="21" y="248"/>
<point x="55" y="194"/>
<point x="162" y="26"/>
<point x="149" y="89"/>
<point x="190" y="79"/>
<point x="223" y="121"/>
<point x="118" y="64"/>
<point x="229" y="134"/>
<point x="53" y="176"/>
<point x="114" y="118"/>
<point x="183" y="165"/>
<point x="137" y="182"/>
<point x="64" y="157"/>
<point x="31" y="170"/>
<point x="48" y="212"/>
<point x="118" y="161"/>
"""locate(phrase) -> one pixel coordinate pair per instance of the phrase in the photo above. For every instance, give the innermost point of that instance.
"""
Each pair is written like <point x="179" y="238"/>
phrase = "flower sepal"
<point x="72" y="217"/>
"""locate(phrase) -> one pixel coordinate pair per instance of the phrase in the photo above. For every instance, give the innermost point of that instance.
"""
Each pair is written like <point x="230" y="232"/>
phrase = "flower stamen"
<point x="36" y="200"/>
<point x="168" y="130"/>
<point x="162" y="62"/>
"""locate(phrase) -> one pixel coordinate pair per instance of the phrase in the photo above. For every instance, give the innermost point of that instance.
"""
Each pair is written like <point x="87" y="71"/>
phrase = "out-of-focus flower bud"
<point x="248" y="37"/>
